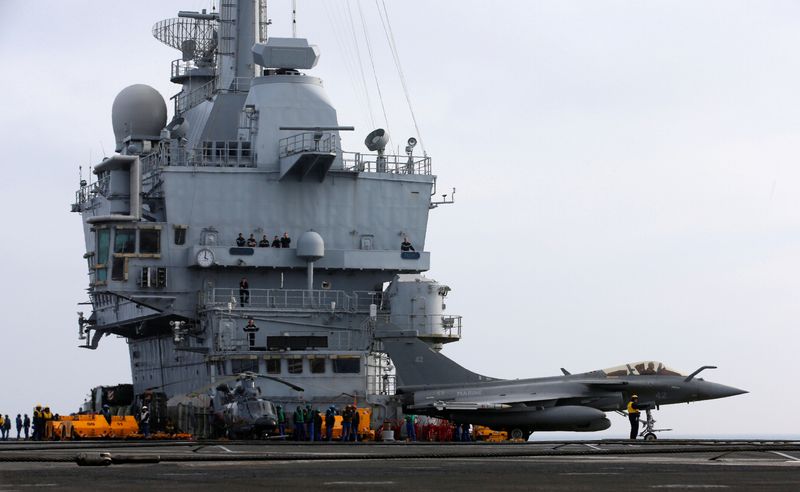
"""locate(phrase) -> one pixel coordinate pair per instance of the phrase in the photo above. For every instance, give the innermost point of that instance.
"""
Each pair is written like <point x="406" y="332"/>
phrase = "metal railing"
<point x="289" y="299"/>
<point x="308" y="142"/>
<point x="392" y="164"/>
<point x="90" y="190"/>
<point x="236" y="153"/>
<point x="428" y="325"/>
<point x="185" y="101"/>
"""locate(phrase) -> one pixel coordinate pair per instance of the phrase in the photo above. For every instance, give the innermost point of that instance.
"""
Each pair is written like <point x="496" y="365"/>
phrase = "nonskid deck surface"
<point x="564" y="465"/>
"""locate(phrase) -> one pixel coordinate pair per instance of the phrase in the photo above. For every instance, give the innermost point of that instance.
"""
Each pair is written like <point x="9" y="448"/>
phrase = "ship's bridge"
<point x="644" y="368"/>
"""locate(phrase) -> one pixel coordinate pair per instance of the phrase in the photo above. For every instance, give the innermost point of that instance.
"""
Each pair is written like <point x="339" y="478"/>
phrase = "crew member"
<point x="406" y="245"/>
<point x="465" y="434"/>
<point x="281" y="421"/>
<point x="19" y="425"/>
<point x="37" y="423"/>
<point x="317" y="424"/>
<point x="286" y="240"/>
<point x="411" y="433"/>
<point x="308" y="417"/>
<point x="330" y="421"/>
<point x="244" y="292"/>
<point x="276" y="242"/>
<point x="356" y="421"/>
<point x="347" y="421"/>
<point x="26" y="424"/>
<point x="106" y="411"/>
<point x="240" y="241"/>
<point x="251" y="241"/>
<point x="299" y="425"/>
<point x="251" y="330"/>
<point x="144" y="421"/>
<point x="264" y="243"/>
<point x="633" y="415"/>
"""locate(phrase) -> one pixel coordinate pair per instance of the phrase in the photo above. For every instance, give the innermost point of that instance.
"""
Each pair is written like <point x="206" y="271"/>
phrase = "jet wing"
<point x="494" y="402"/>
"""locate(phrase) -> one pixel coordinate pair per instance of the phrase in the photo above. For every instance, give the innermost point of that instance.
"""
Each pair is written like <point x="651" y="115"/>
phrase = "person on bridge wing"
<point x="633" y="415"/>
<point x="406" y="245"/>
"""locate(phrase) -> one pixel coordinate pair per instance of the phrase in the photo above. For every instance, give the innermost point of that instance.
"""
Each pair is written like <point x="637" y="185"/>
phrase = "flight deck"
<point x="541" y="465"/>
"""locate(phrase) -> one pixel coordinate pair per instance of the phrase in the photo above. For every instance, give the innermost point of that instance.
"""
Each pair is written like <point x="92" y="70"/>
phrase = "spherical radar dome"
<point x="310" y="246"/>
<point x="138" y="110"/>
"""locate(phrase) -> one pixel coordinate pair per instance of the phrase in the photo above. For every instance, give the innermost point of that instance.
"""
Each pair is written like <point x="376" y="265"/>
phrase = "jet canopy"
<point x="646" y="368"/>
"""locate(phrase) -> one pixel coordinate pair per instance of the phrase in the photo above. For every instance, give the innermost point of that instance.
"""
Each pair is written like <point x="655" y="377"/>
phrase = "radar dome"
<point x="310" y="246"/>
<point x="138" y="110"/>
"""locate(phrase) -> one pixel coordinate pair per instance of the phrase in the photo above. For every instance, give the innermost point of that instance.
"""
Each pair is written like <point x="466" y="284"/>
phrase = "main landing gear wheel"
<point x="650" y="436"/>
<point x="519" y="434"/>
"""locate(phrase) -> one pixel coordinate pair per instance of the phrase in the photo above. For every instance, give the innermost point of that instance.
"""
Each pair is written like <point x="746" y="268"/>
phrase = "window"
<point x="273" y="366"/>
<point x="180" y="235"/>
<point x="125" y="241"/>
<point x="295" y="366"/>
<point x="347" y="366"/>
<point x="103" y="236"/>
<point x="149" y="241"/>
<point x="317" y="366"/>
<point x="244" y="365"/>
<point x="119" y="268"/>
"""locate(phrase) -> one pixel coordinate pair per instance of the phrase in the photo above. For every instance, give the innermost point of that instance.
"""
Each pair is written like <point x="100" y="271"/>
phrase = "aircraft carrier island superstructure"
<point x="253" y="148"/>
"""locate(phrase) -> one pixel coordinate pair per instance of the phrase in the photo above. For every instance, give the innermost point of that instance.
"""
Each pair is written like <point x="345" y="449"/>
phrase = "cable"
<point x="387" y="29"/>
<point x="360" y="64"/>
<point x="374" y="71"/>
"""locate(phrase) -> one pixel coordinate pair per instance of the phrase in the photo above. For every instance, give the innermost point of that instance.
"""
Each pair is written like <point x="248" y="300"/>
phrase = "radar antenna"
<point x="193" y="33"/>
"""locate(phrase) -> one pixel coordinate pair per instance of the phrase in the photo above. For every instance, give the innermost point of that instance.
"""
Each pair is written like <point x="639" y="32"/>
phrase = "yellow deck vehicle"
<point x="91" y="426"/>
<point x="482" y="433"/>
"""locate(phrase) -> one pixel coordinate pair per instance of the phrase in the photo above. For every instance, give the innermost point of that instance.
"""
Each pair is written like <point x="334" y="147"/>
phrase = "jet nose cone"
<point x="721" y="391"/>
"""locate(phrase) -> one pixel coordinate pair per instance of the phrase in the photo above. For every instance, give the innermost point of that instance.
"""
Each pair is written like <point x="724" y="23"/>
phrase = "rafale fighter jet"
<point x="432" y="384"/>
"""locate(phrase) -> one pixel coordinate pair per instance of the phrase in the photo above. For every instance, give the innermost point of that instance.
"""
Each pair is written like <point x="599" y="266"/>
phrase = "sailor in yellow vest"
<point x="633" y="415"/>
<point x="38" y="424"/>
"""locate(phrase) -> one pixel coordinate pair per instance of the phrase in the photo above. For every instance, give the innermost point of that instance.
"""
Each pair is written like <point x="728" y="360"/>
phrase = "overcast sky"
<point x="627" y="181"/>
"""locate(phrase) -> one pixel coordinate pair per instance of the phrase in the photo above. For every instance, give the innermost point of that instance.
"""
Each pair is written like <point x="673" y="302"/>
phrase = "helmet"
<point x="105" y="406"/>
<point x="39" y="406"/>
<point x="144" y="407"/>
<point x="634" y="396"/>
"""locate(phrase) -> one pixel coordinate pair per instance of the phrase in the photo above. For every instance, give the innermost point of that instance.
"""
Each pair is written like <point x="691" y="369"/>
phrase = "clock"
<point x="205" y="258"/>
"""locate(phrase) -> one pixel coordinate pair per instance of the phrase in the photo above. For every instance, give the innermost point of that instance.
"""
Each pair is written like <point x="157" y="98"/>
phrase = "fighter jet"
<point x="431" y="384"/>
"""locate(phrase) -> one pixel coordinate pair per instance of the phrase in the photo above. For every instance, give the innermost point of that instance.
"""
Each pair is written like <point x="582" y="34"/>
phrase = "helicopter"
<point x="245" y="414"/>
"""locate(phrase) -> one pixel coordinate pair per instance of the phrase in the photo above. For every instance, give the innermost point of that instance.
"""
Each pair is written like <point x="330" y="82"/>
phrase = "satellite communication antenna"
<point x="377" y="140"/>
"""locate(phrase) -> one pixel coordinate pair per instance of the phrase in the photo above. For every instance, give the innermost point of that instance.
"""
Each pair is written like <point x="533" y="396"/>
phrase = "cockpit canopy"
<point x="645" y="368"/>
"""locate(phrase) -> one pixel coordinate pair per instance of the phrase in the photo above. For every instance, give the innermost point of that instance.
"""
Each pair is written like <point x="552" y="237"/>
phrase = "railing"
<point x="291" y="299"/>
<point x="185" y="101"/>
<point x="428" y="325"/>
<point x="90" y="190"/>
<point x="392" y="164"/>
<point x="308" y="142"/>
<point x="236" y="153"/>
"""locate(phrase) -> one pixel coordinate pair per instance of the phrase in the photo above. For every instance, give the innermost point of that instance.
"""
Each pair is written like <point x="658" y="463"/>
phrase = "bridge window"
<point x="180" y="235"/>
<point x="273" y="366"/>
<point x="239" y="366"/>
<point x="295" y="366"/>
<point x="149" y="241"/>
<point x="101" y="261"/>
<point x="119" y="268"/>
<point x="317" y="365"/>
<point x="125" y="241"/>
<point x="347" y="365"/>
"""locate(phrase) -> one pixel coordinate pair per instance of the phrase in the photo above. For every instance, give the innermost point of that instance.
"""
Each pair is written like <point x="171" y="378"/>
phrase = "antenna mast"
<point x="294" y="18"/>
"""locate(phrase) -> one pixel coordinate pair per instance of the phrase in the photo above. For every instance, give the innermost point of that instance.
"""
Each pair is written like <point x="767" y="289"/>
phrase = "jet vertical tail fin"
<point x="419" y="365"/>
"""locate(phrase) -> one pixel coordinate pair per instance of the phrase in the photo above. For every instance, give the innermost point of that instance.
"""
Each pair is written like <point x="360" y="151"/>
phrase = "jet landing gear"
<point x="518" y="434"/>
<point x="649" y="430"/>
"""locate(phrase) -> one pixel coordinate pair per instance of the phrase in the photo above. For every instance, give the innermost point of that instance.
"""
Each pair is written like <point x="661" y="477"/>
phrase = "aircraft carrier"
<point x="243" y="205"/>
